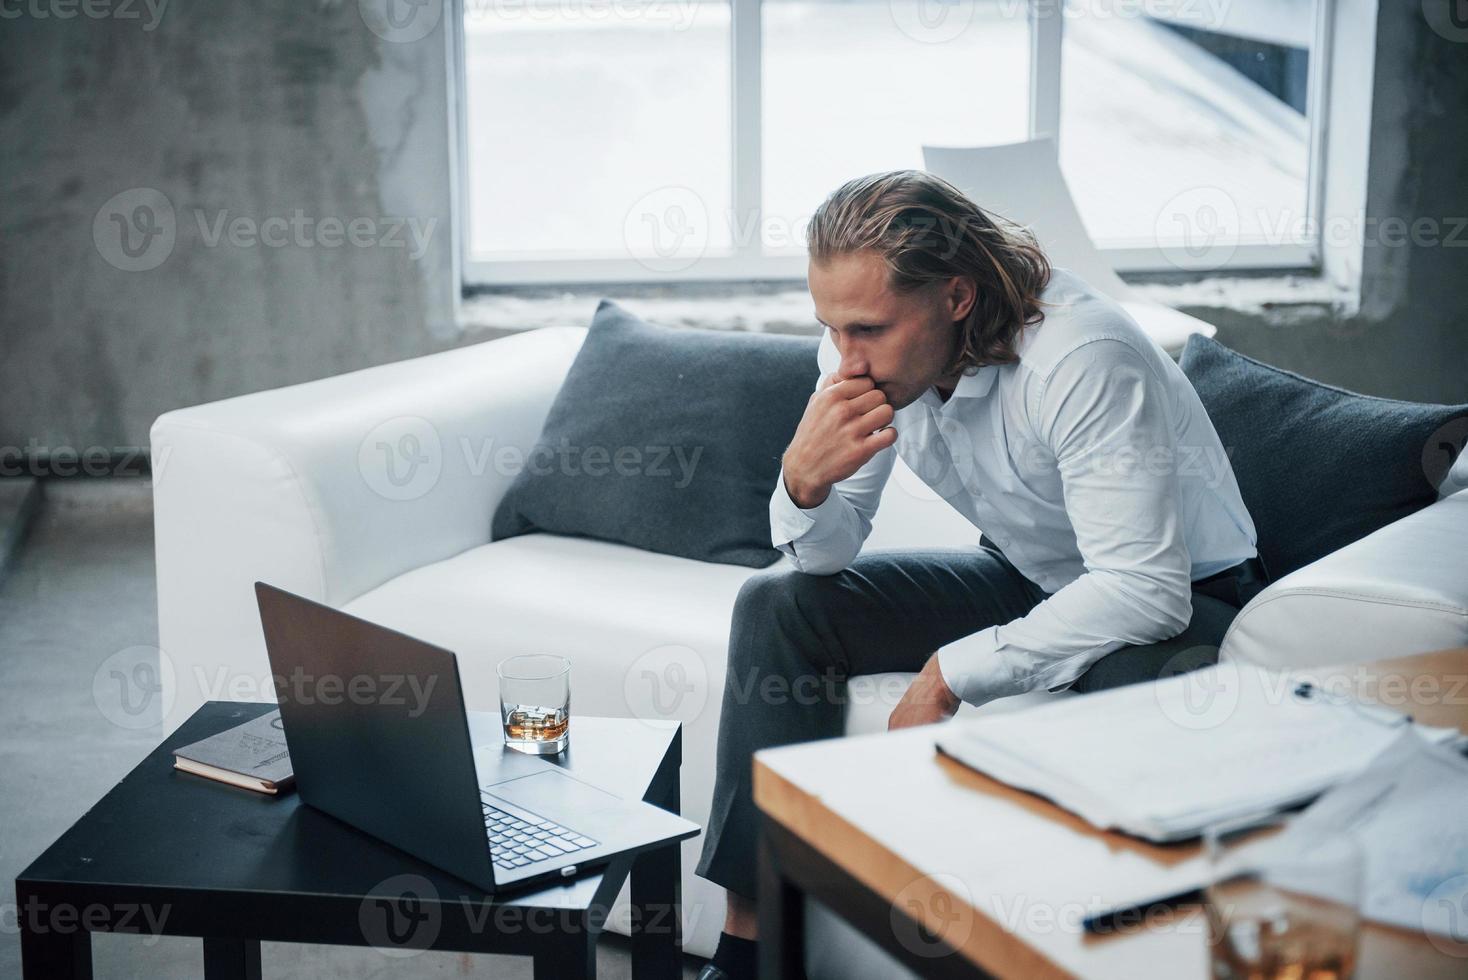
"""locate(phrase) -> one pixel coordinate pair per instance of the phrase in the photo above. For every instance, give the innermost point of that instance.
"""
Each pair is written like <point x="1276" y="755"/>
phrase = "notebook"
<point x="1162" y="761"/>
<point x="251" y="756"/>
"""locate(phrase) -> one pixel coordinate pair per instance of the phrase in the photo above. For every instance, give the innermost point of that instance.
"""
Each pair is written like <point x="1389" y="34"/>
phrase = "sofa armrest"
<point x="329" y="489"/>
<point x="1400" y="590"/>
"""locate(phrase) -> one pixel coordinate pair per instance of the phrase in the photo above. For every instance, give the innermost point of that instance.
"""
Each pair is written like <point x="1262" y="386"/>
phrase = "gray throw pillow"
<point x="665" y="439"/>
<point x="1319" y="467"/>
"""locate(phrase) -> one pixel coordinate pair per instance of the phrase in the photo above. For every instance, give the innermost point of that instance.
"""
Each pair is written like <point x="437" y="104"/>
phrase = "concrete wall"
<point x="1410" y="339"/>
<point x="228" y="112"/>
<point x="202" y="115"/>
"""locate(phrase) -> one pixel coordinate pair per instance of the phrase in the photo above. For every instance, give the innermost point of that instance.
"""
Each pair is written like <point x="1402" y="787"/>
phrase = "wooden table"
<point x="958" y="875"/>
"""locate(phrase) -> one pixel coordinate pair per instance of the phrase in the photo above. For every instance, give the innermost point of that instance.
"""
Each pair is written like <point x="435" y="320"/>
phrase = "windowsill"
<point x="1278" y="300"/>
<point x="757" y="307"/>
<point x="784" y="307"/>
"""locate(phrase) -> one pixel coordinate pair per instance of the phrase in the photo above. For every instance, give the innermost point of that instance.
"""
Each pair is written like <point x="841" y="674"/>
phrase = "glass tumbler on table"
<point x="1282" y="905"/>
<point x="535" y="703"/>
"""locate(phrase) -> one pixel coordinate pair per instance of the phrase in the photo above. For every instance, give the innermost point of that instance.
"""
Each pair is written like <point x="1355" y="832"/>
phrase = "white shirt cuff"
<point x="974" y="670"/>
<point x="790" y="522"/>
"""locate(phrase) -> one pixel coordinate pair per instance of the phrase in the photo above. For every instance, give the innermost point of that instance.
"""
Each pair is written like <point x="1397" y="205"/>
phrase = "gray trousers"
<point x="796" y="638"/>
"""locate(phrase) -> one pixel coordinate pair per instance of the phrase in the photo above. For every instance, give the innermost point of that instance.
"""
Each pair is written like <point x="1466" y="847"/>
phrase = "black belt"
<point x="1235" y="585"/>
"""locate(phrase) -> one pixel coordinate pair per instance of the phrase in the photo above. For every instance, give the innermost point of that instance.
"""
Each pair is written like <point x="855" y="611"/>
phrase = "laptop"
<point x="379" y="738"/>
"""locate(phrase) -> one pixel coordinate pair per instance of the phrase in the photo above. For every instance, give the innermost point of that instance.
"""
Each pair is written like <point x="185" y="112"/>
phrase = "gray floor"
<point x="81" y="589"/>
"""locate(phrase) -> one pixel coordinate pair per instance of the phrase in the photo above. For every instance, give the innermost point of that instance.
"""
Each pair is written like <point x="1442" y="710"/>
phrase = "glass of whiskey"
<point x="535" y="703"/>
<point x="1283" y="903"/>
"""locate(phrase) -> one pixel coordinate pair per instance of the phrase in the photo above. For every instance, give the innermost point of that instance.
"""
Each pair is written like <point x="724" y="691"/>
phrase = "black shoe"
<point x="734" y="959"/>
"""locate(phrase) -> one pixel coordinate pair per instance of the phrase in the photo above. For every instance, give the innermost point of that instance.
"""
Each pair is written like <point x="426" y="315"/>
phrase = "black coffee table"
<point x="169" y="853"/>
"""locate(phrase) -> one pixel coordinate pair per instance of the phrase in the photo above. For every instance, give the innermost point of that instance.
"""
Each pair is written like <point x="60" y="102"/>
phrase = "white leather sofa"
<point x="373" y="492"/>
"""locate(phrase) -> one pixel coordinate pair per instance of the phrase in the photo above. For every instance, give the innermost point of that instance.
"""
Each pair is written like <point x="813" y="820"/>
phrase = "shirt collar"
<point x="975" y="385"/>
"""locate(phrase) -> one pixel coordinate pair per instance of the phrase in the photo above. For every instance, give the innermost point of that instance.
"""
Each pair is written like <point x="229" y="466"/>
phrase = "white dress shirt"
<point x="1091" y="463"/>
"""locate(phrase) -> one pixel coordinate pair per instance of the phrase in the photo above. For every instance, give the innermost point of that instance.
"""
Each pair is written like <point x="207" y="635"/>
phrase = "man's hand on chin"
<point x="926" y="701"/>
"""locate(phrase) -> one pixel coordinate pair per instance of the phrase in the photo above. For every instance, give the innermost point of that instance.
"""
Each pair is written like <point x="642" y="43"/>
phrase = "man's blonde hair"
<point x="925" y="230"/>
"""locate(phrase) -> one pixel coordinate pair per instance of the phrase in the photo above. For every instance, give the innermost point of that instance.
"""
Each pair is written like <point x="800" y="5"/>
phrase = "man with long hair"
<point x="1115" y="545"/>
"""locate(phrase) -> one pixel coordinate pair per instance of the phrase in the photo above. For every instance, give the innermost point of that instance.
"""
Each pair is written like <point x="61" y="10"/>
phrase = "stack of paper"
<point x="1407" y="809"/>
<point x="1164" y="760"/>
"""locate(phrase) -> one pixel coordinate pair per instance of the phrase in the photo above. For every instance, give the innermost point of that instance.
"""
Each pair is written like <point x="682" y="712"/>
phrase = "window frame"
<point x="747" y="261"/>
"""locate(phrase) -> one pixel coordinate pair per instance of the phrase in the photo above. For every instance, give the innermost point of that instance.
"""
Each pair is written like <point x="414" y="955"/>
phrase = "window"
<point x="1185" y="138"/>
<point x="645" y="140"/>
<point x="856" y="88"/>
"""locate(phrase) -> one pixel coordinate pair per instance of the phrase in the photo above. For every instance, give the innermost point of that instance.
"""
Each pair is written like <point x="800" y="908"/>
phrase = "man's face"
<point x="902" y="341"/>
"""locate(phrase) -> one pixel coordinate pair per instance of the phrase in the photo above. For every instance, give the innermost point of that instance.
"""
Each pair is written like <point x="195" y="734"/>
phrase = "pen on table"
<point x="1134" y="912"/>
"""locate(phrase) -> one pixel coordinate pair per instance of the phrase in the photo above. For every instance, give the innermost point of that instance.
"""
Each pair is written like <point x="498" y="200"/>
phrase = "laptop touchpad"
<point x="554" y="791"/>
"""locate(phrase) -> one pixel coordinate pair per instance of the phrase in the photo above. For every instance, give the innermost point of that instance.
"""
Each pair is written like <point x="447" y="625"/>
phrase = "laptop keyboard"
<point x="517" y="841"/>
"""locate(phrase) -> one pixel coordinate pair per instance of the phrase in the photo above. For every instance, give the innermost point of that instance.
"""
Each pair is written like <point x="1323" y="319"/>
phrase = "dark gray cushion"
<point x="665" y="439"/>
<point x="1319" y="467"/>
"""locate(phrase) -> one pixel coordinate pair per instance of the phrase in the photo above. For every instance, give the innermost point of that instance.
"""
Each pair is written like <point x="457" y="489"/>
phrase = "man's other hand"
<point x="926" y="701"/>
